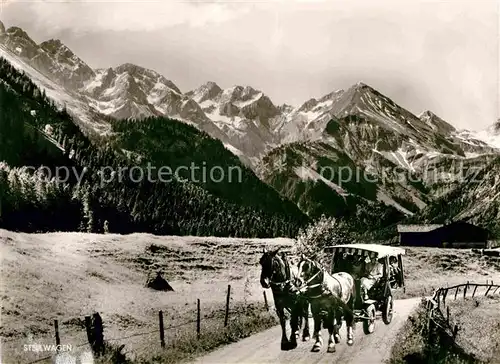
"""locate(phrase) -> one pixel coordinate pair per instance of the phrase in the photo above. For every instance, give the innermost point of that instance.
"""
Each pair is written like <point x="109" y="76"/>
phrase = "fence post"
<point x="162" y="332"/>
<point x="444" y="297"/>
<point x="465" y="289"/>
<point x="488" y="290"/>
<point x="58" y="339"/>
<point x="265" y="301"/>
<point x="226" y="318"/>
<point x="456" y="291"/>
<point x="448" y="315"/>
<point x="474" y="292"/>
<point x="88" y="325"/>
<point x="97" y="330"/>
<point x="198" y="318"/>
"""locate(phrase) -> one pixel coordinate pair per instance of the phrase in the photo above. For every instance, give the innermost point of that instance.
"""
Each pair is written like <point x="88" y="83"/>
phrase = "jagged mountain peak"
<point x="145" y="74"/>
<point x="332" y="95"/>
<point x="17" y="32"/>
<point x="63" y="55"/>
<point x="52" y="45"/>
<point x="240" y="93"/>
<point x="363" y="88"/>
<point x="109" y="72"/>
<point x="285" y="108"/>
<point x="130" y="68"/>
<point x="19" y="37"/>
<point x="235" y="99"/>
<point x="238" y="111"/>
<point x="208" y="91"/>
<point x="436" y="123"/>
<point x="211" y="85"/>
<point x="426" y="114"/>
<point x="308" y="105"/>
<point x="323" y="102"/>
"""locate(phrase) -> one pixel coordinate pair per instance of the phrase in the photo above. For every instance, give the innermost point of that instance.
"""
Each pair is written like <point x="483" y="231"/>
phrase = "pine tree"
<point x="87" y="224"/>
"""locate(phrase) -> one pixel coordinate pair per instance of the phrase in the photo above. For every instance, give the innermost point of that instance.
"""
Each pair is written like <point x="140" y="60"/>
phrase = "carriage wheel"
<point x="369" y="323"/>
<point x="387" y="310"/>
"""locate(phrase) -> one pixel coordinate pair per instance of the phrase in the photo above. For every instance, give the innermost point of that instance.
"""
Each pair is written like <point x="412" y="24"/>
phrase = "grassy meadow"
<point x="66" y="276"/>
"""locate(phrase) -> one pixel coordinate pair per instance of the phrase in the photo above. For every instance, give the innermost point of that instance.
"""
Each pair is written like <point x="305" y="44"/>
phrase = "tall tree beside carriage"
<point x="325" y="231"/>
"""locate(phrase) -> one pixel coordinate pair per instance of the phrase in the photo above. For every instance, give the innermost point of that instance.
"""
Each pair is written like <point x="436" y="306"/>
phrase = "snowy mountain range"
<point x="358" y="127"/>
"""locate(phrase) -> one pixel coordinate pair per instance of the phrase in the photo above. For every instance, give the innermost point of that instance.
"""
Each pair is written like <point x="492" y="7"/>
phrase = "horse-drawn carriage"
<point x="358" y="283"/>
<point x="361" y="260"/>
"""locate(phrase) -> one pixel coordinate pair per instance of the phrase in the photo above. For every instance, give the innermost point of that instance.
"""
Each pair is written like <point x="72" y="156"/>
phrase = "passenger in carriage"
<point x="395" y="272"/>
<point x="358" y="267"/>
<point x="374" y="271"/>
<point x="344" y="263"/>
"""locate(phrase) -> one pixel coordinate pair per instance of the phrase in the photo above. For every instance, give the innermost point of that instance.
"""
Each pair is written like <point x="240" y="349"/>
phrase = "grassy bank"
<point x="478" y="320"/>
<point x="477" y="341"/>
<point x="412" y="339"/>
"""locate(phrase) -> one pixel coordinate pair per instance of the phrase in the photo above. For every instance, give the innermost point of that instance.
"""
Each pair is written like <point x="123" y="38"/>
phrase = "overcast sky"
<point x="438" y="55"/>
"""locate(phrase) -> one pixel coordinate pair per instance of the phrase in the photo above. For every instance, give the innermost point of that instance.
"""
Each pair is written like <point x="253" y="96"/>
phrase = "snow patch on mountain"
<point x="241" y="116"/>
<point x="490" y="136"/>
<point x="61" y="96"/>
<point x="306" y="173"/>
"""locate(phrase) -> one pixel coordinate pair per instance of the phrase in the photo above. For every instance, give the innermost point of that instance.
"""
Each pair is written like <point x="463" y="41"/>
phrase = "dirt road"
<point x="367" y="349"/>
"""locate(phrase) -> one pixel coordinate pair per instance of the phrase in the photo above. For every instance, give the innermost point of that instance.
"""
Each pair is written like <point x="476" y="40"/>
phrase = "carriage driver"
<point x="374" y="271"/>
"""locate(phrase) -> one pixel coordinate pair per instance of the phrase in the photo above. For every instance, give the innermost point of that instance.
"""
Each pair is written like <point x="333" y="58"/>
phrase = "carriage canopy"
<point x="374" y="251"/>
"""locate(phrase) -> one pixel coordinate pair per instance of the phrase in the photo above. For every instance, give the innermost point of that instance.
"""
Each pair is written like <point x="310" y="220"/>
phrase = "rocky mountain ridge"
<point x="357" y="127"/>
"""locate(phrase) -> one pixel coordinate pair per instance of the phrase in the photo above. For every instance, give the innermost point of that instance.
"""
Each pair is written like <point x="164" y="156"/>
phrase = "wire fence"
<point x="93" y="331"/>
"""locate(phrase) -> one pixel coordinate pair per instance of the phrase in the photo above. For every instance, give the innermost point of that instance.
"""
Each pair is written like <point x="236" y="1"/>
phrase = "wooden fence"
<point x="442" y="293"/>
<point x="436" y="305"/>
<point x="96" y="339"/>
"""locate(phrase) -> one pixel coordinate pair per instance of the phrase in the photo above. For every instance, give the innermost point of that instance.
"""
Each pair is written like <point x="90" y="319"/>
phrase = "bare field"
<point x="427" y="269"/>
<point x="66" y="276"/>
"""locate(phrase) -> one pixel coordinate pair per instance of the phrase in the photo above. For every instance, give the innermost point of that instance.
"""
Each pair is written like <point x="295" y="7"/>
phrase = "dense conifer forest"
<point x="239" y="204"/>
<point x="30" y="202"/>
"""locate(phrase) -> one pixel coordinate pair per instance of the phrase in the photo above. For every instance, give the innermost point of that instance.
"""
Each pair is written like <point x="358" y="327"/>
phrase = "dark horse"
<point x="331" y="297"/>
<point x="277" y="275"/>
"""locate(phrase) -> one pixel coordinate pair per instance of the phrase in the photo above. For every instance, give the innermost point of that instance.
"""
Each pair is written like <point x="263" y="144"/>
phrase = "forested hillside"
<point x="476" y="200"/>
<point x="29" y="202"/>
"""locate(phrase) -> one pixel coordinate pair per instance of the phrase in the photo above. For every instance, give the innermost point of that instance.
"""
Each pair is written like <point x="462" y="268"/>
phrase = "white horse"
<point x="332" y="294"/>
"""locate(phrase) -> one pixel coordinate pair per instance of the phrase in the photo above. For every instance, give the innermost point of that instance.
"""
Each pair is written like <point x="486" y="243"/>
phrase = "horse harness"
<point x="281" y="285"/>
<point x="306" y="286"/>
